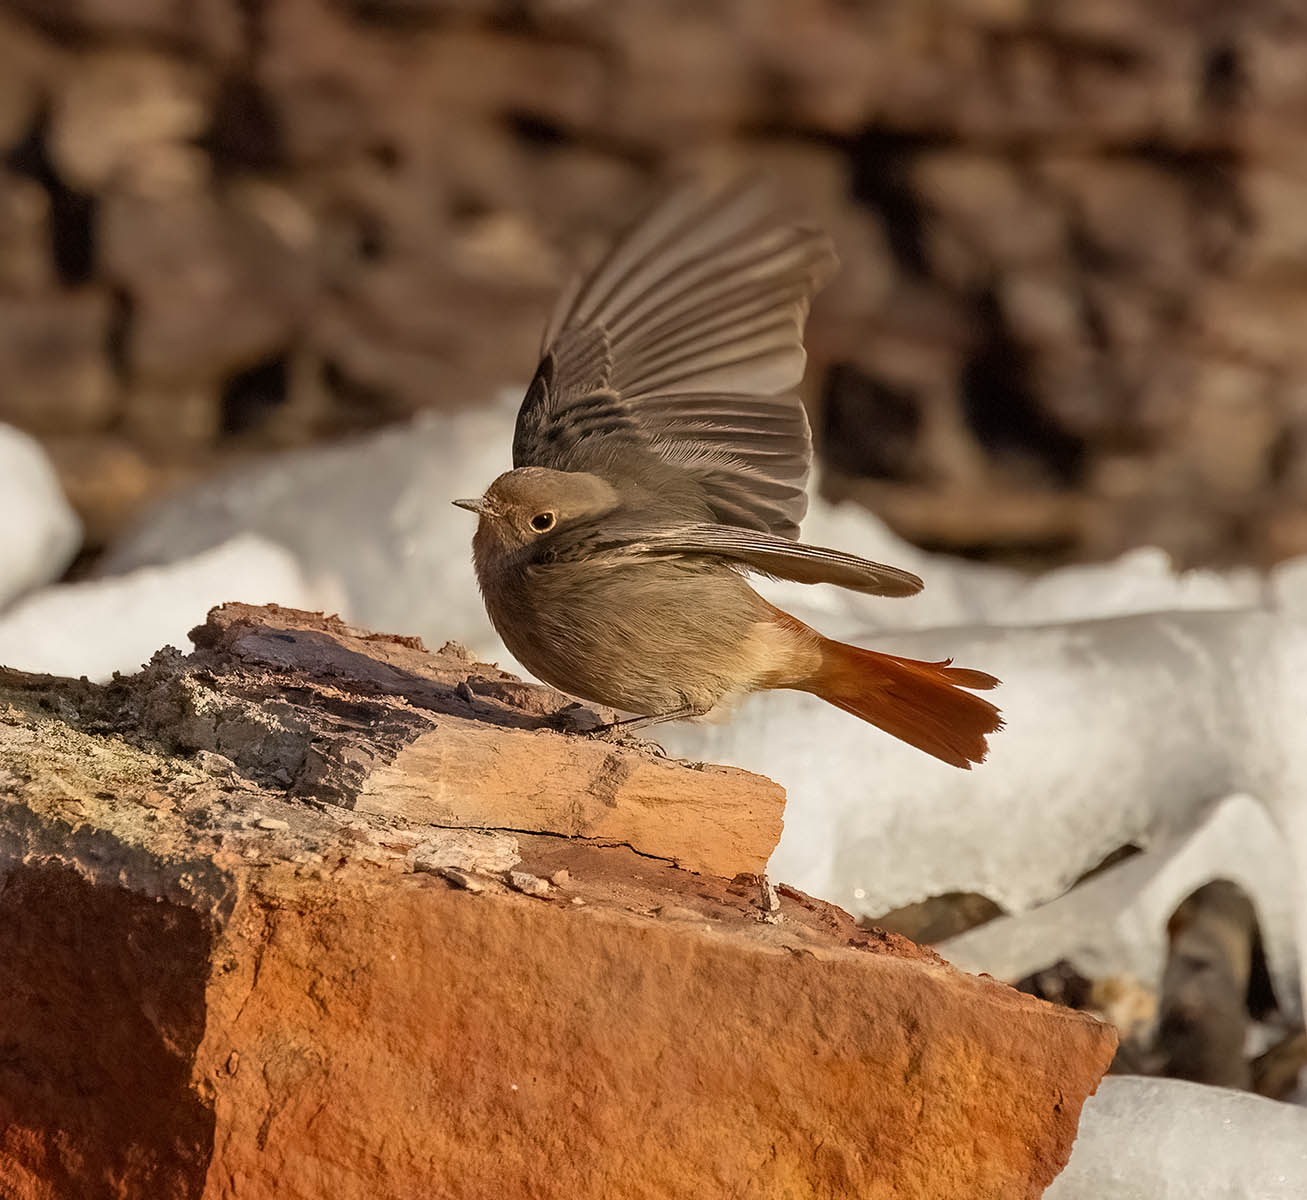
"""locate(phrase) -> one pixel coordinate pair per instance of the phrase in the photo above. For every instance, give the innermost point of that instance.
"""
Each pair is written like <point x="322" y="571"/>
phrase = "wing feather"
<point x="777" y="557"/>
<point x="685" y="344"/>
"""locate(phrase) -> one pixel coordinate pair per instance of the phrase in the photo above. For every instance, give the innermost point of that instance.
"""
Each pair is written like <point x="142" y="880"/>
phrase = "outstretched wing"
<point x="626" y="534"/>
<point x="778" y="558"/>
<point x="686" y="343"/>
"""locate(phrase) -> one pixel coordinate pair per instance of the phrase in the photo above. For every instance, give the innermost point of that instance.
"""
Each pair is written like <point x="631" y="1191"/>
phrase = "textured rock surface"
<point x="374" y="723"/>
<point x="1069" y="319"/>
<point x="214" y="988"/>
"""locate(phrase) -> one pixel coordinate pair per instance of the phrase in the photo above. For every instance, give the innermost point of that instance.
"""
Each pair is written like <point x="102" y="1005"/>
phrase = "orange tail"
<point x="921" y="703"/>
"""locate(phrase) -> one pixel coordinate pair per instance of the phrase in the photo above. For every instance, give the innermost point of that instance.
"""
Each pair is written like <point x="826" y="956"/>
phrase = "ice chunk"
<point x="965" y="593"/>
<point x="1115" y="923"/>
<point x="1288" y="587"/>
<point x="1118" y="731"/>
<point x="39" y="533"/>
<point x="1139" y="581"/>
<point x="1162" y="1139"/>
<point x="107" y="625"/>
<point x="374" y="515"/>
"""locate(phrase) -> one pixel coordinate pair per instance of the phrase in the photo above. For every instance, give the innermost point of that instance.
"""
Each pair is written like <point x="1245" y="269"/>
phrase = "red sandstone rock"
<point x="210" y="988"/>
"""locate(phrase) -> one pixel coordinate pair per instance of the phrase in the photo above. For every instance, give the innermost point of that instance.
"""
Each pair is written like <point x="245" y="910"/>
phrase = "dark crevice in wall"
<point x="1001" y="407"/>
<point x="249" y="396"/>
<point x="1223" y="83"/>
<point x="118" y="337"/>
<point x="880" y="175"/>
<point x="245" y="133"/>
<point x="538" y="132"/>
<point x="72" y="213"/>
<point x="868" y="427"/>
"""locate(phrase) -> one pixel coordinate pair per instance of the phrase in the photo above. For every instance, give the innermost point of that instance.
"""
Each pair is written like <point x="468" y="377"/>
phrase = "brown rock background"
<point x="1074" y="236"/>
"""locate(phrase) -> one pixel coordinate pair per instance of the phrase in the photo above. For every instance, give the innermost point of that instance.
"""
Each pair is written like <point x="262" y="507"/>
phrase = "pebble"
<point x="527" y="884"/>
<point x="272" y="823"/>
<point x="460" y="879"/>
<point x="217" y="766"/>
<point x="560" y="878"/>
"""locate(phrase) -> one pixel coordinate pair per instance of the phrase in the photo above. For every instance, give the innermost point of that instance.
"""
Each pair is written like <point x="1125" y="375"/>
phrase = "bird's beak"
<point x="477" y="506"/>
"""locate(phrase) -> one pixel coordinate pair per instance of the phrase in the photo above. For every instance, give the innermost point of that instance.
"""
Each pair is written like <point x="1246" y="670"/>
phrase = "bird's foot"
<point x="625" y="731"/>
<point x="582" y="721"/>
<point x="577" y="719"/>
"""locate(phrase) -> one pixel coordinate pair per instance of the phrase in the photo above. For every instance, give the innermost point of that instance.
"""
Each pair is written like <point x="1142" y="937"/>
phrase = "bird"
<point x="661" y="457"/>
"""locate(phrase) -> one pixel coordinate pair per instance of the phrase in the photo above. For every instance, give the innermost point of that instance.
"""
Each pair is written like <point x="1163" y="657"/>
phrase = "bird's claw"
<point x="577" y="719"/>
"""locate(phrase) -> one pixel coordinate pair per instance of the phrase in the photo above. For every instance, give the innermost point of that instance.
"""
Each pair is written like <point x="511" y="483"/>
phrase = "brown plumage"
<point x="661" y="454"/>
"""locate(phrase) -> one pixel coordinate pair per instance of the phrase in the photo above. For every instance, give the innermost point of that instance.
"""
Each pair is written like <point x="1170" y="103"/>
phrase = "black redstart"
<point x="661" y="454"/>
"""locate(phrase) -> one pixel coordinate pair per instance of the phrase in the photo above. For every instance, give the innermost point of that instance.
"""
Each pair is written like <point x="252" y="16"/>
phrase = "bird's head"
<point x="522" y="506"/>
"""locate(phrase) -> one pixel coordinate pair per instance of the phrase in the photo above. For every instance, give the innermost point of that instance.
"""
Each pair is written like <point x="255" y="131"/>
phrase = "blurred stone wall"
<point x="1073" y="314"/>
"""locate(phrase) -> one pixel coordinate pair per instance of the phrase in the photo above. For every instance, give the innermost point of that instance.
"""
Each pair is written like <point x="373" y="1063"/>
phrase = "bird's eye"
<point x="543" y="522"/>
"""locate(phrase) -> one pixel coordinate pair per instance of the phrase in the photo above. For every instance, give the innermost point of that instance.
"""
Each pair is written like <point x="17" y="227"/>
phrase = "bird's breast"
<point x="642" y="636"/>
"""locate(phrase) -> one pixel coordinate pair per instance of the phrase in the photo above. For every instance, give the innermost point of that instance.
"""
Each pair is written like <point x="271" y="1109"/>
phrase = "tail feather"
<point x="921" y="703"/>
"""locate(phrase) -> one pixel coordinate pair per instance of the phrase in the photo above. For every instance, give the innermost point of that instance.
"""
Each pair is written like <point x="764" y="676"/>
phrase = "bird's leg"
<point x="631" y="724"/>
<point x="564" y="720"/>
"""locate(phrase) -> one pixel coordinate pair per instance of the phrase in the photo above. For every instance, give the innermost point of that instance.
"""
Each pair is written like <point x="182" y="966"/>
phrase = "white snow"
<point x="1162" y="1139"/>
<point x="958" y="592"/>
<point x="1115" y="923"/>
<point x="39" y="533"/>
<point x="373" y="515"/>
<point x="1118" y="731"/>
<point x="102" y="626"/>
